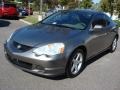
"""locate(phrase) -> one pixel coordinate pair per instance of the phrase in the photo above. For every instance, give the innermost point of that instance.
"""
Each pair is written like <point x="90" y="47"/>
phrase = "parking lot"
<point x="101" y="73"/>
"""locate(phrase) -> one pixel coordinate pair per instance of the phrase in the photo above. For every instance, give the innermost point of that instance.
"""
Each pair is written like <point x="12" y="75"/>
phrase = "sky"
<point x="96" y="1"/>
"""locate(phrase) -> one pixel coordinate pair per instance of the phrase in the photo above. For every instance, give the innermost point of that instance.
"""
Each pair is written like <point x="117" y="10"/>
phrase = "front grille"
<point x="21" y="47"/>
<point x="21" y="64"/>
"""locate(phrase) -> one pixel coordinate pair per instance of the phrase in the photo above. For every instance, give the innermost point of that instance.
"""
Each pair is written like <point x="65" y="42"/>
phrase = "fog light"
<point x="38" y="67"/>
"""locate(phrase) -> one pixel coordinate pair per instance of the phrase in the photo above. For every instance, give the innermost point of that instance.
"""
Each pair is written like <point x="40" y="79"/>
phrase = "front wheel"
<point x="76" y="63"/>
<point x="114" y="45"/>
<point x="16" y="18"/>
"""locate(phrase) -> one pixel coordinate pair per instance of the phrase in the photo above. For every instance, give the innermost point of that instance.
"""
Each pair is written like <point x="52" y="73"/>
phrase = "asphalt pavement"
<point x="101" y="73"/>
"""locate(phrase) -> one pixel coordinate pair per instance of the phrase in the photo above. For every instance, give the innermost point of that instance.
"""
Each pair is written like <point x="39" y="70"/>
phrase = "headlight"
<point x="9" y="37"/>
<point x="50" y="49"/>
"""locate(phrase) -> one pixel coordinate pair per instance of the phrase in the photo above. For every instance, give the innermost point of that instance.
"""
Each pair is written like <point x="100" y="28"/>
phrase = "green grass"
<point x="31" y="19"/>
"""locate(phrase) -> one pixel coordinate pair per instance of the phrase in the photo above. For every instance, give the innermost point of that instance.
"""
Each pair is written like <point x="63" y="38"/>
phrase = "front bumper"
<point x="43" y="65"/>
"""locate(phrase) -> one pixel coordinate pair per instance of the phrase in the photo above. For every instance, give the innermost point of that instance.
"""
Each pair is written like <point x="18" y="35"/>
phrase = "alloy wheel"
<point x="77" y="63"/>
<point x="114" y="44"/>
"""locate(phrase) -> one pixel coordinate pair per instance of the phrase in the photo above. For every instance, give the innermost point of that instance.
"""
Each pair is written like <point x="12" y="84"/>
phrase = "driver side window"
<point x="99" y="20"/>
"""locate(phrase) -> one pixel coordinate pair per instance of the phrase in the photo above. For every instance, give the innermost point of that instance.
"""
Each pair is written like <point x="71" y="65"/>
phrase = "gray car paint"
<point x="40" y="34"/>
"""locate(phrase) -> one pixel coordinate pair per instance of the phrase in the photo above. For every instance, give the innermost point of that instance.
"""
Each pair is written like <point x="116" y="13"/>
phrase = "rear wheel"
<point x="76" y="63"/>
<point x="16" y="18"/>
<point x="114" y="45"/>
<point x="0" y="16"/>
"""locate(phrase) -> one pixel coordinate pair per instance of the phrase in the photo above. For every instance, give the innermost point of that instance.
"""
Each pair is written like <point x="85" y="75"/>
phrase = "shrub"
<point x="118" y="22"/>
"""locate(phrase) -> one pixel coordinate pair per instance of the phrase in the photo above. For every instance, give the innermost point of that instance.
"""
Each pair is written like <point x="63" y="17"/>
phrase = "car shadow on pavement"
<point x="4" y="23"/>
<point x="10" y="18"/>
<point x="22" y="17"/>
<point x="62" y="77"/>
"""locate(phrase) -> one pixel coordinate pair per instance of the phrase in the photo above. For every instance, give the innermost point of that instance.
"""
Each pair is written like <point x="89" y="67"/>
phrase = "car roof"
<point x="93" y="12"/>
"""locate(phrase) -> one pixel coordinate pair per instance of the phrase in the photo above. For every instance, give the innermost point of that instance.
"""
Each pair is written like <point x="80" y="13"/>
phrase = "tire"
<point x="76" y="63"/>
<point x="16" y="18"/>
<point x="114" y="45"/>
<point x="0" y="16"/>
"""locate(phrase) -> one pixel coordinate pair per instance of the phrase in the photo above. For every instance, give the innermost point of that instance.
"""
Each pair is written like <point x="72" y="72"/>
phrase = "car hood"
<point x="38" y="34"/>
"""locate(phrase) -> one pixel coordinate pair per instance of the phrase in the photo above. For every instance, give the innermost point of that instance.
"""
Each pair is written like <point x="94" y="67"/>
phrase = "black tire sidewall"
<point x="69" y="65"/>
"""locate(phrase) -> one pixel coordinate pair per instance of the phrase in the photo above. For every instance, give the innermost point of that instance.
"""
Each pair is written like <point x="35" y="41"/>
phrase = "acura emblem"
<point x="19" y="46"/>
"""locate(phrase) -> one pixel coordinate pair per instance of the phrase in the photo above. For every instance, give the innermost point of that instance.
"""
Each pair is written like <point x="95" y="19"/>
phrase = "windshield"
<point x="10" y="5"/>
<point x="72" y="19"/>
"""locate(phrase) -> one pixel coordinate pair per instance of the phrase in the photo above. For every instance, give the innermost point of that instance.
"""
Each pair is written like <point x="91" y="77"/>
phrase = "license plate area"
<point x="22" y="64"/>
<point x="17" y="61"/>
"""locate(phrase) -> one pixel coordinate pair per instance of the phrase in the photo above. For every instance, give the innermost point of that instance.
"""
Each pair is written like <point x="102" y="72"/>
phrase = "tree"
<point x="25" y="2"/>
<point x="46" y="4"/>
<point x="108" y="6"/>
<point x="118" y="7"/>
<point x="96" y="6"/>
<point x="63" y="2"/>
<point x="86" y="4"/>
<point x="51" y="3"/>
<point x="36" y="5"/>
<point x="72" y="4"/>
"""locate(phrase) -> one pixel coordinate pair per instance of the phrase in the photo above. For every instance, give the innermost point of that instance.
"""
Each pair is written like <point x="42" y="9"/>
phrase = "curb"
<point x="25" y="22"/>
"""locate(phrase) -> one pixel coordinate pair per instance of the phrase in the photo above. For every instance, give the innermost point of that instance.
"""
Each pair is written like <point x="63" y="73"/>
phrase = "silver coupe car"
<point x="62" y="42"/>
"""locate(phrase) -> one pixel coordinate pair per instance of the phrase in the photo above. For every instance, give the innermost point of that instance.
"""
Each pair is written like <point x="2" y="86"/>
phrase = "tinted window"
<point x="99" y="20"/>
<point x="10" y="5"/>
<point x="72" y="19"/>
<point x="108" y="19"/>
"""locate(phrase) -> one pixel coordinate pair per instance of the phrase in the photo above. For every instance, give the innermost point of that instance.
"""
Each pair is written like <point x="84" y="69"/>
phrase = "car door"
<point x="97" y="37"/>
<point x="110" y="26"/>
